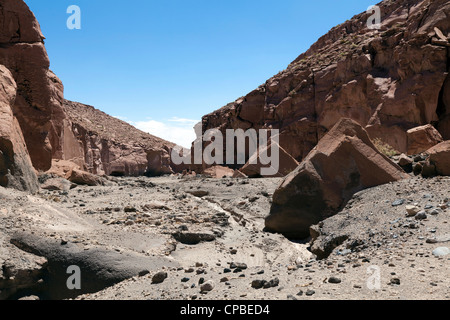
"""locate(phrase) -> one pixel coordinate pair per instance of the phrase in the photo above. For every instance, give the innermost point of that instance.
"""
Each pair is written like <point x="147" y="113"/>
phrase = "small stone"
<point x="159" y="277"/>
<point x="291" y="297"/>
<point x="412" y="210"/>
<point x="258" y="284"/>
<point x="441" y="251"/>
<point x="310" y="292"/>
<point x="398" y="202"/>
<point x="201" y="281"/>
<point x="300" y="293"/>
<point x="224" y="279"/>
<point x="207" y="286"/>
<point x="143" y="273"/>
<point x="334" y="280"/>
<point x="395" y="281"/>
<point x="434" y="212"/>
<point x="226" y="270"/>
<point x="272" y="283"/>
<point x="185" y="279"/>
<point x="420" y="215"/>
<point x="238" y="265"/>
<point x="233" y="251"/>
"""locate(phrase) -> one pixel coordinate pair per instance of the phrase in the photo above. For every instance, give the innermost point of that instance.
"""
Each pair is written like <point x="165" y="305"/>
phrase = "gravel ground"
<point x="206" y="237"/>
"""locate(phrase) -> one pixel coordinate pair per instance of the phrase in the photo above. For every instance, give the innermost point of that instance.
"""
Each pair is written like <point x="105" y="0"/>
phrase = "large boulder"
<point x="440" y="157"/>
<point x="344" y="162"/>
<point x="85" y="178"/>
<point x="16" y="170"/>
<point x="422" y="138"/>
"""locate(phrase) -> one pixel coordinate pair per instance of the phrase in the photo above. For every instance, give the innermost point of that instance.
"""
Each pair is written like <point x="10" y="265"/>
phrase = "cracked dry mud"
<point x="200" y="230"/>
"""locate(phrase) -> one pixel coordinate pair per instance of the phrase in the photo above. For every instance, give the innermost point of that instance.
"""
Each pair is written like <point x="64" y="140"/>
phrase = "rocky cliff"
<point x="38" y="126"/>
<point x="105" y="145"/>
<point x="388" y="80"/>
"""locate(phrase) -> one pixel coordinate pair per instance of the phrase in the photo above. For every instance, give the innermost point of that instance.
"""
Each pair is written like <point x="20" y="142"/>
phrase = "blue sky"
<point x="162" y="65"/>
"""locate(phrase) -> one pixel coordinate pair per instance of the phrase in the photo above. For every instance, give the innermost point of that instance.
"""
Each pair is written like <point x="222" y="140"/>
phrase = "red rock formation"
<point x="102" y="144"/>
<point x="16" y="170"/>
<point x="440" y="158"/>
<point x="38" y="105"/>
<point x="54" y="129"/>
<point x="344" y="162"/>
<point x="422" y="138"/>
<point x="388" y="80"/>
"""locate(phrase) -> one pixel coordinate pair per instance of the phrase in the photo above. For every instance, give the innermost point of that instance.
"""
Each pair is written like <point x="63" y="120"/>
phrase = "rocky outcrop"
<point x="344" y="162"/>
<point x="16" y="170"/>
<point x="38" y="105"/>
<point x="104" y="145"/>
<point x="388" y="80"/>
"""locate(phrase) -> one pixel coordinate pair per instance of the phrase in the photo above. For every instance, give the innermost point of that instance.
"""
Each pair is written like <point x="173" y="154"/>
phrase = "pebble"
<point x="334" y="280"/>
<point x="185" y="279"/>
<point x="238" y="265"/>
<point x="422" y="215"/>
<point x="207" y="286"/>
<point x="412" y="210"/>
<point x="398" y="202"/>
<point x="441" y="251"/>
<point x="310" y="292"/>
<point x="143" y="273"/>
<point x="258" y="284"/>
<point x="159" y="277"/>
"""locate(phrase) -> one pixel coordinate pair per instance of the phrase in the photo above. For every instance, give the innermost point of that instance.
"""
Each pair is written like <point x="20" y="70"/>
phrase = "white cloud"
<point x="176" y="130"/>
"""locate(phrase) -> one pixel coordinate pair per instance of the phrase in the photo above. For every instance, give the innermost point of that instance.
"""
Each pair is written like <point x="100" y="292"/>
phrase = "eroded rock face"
<point x="16" y="170"/>
<point x="344" y="162"/>
<point x="38" y="105"/>
<point x="388" y="80"/>
<point x="103" y="145"/>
